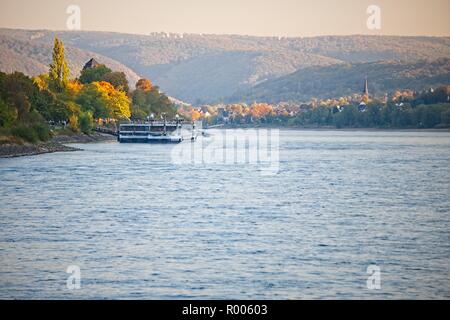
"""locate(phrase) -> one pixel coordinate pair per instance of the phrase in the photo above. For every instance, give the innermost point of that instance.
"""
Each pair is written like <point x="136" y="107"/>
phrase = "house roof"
<point x="91" y="64"/>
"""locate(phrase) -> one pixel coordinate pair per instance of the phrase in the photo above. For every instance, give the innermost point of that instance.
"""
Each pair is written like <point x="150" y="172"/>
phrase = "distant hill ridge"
<point x="213" y="68"/>
<point x="345" y="79"/>
<point x="33" y="58"/>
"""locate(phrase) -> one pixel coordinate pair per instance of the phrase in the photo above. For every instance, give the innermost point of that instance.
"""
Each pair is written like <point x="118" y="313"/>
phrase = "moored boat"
<point x="152" y="131"/>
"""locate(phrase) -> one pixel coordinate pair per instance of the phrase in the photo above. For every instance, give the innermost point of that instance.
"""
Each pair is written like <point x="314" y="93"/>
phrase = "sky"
<point x="292" y="18"/>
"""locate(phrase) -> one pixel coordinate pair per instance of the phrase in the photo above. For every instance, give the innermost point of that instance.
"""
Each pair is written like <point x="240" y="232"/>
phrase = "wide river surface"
<point x="347" y="215"/>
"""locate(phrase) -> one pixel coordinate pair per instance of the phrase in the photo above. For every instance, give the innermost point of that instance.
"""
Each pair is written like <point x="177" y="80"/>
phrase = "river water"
<point x="139" y="225"/>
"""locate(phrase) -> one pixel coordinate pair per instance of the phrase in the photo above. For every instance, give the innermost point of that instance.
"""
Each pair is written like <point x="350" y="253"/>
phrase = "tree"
<point x="103" y="73"/>
<point x="42" y="81"/>
<point x="260" y="110"/>
<point x="347" y="118"/>
<point x="147" y="100"/>
<point x="18" y="91"/>
<point x="144" y="85"/>
<point x="74" y="87"/>
<point x="116" y="101"/>
<point x="8" y="115"/>
<point x="195" y="115"/>
<point x="59" y="71"/>
<point x="91" y="100"/>
<point x="73" y="123"/>
<point x="17" y="82"/>
<point x="60" y="111"/>
<point x="94" y="74"/>
<point x="85" y="122"/>
<point x="117" y="79"/>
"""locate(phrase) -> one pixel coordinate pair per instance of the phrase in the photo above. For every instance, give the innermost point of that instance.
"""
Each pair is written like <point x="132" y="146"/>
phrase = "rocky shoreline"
<point x="57" y="144"/>
<point x="84" y="138"/>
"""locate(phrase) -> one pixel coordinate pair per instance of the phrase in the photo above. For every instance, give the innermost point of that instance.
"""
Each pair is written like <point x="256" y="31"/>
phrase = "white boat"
<point x="153" y="131"/>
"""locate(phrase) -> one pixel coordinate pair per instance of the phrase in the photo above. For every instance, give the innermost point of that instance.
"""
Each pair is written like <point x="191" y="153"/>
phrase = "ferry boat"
<point x="151" y="131"/>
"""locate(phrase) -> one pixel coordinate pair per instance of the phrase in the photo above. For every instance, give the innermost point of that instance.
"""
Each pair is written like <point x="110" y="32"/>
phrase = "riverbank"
<point x="325" y="128"/>
<point x="84" y="138"/>
<point x="56" y="144"/>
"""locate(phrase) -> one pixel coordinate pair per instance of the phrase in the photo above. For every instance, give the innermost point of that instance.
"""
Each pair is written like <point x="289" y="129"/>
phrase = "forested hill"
<point x="33" y="57"/>
<point x="346" y="79"/>
<point x="210" y="68"/>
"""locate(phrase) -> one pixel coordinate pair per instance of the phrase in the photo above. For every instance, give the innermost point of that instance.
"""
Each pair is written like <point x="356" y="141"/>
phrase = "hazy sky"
<point x="252" y="17"/>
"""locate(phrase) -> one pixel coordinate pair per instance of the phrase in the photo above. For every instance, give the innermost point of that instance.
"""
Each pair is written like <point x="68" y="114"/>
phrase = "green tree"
<point x="59" y="71"/>
<point x="117" y="79"/>
<point x="18" y="91"/>
<point x="86" y="122"/>
<point x="104" y="101"/>
<point x="91" y="99"/>
<point x="147" y="100"/>
<point x="347" y="118"/>
<point x="8" y="115"/>
<point x="94" y="74"/>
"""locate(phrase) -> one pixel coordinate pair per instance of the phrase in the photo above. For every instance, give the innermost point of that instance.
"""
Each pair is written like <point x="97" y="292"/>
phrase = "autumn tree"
<point x="195" y="115"/>
<point x="91" y="100"/>
<point x="117" y="79"/>
<point x="116" y="101"/>
<point x="74" y="87"/>
<point x="144" y="85"/>
<point x="42" y="81"/>
<point x="59" y="71"/>
<point x="260" y="110"/>
<point x="147" y="100"/>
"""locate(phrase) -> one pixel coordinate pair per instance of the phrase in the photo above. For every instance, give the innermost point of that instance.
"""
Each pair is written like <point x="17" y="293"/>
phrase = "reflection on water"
<point x="139" y="226"/>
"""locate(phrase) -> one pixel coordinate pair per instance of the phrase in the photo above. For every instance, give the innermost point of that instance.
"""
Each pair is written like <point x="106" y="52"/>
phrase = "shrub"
<point x="445" y="118"/>
<point x="33" y="117"/>
<point x="25" y="133"/>
<point x="85" y="122"/>
<point x="42" y="131"/>
<point x="7" y="114"/>
<point x="73" y="123"/>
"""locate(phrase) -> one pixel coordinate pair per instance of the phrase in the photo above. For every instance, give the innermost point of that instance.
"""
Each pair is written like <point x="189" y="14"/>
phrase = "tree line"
<point x="376" y="116"/>
<point x="427" y="109"/>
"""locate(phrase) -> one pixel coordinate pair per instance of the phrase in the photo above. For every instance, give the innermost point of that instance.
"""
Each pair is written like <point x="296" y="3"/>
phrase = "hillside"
<point x="33" y="58"/>
<point x="209" y="68"/>
<point x="346" y="79"/>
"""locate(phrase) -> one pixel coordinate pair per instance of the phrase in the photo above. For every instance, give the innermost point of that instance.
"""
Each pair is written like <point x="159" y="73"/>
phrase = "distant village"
<point x="243" y="113"/>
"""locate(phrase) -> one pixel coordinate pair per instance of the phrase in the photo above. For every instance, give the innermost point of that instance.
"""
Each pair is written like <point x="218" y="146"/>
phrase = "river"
<point x="139" y="225"/>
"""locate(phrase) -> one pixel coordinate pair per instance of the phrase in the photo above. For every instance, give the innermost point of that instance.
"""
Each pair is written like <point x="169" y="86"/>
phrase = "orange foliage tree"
<point x="260" y="110"/>
<point x="144" y="85"/>
<point x="116" y="101"/>
<point x="74" y="86"/>
<point x="195" y="115"/>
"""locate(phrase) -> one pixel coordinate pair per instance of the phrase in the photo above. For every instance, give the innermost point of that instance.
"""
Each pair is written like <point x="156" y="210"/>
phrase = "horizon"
<point x="233" y="34"/>
<point x="283" y="18"/>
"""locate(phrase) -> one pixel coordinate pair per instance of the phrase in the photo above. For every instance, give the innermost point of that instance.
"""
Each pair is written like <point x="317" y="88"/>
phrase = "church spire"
<point x="365" y="94"/>
<point x="366" y="88"/>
